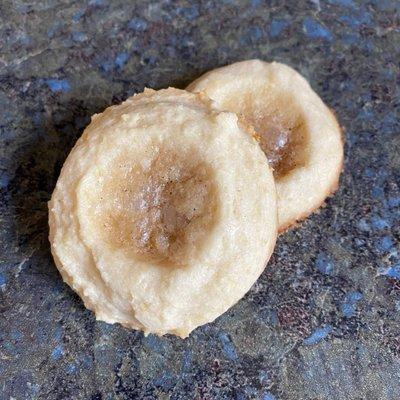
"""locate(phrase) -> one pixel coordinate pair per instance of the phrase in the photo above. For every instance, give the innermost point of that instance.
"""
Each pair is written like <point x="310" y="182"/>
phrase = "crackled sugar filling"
<point x="155" y="212"/>
<point x="279" y="125"/>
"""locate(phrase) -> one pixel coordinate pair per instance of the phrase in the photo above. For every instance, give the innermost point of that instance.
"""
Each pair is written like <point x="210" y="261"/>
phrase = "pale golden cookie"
<point x="298" y="133"/>
<point x="164" y="213"/>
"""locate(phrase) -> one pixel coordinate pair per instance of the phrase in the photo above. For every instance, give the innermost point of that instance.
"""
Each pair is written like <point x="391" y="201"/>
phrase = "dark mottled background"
<point x="322" y="322"/>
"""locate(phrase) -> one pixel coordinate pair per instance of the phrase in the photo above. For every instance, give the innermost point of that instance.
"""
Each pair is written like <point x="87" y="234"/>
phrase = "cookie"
<point x="164" y="213"/>
<point x="298" y="133"/>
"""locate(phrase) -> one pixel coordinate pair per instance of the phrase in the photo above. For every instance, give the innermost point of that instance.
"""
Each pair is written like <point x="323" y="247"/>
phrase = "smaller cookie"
<point x="297" y="132"/>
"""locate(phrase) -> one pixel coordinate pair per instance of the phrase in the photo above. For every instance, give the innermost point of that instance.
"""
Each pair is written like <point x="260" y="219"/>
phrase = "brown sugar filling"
<point x="282" y="141"/>
<point x="161" y="212"/>
<point x="279" y="125"/>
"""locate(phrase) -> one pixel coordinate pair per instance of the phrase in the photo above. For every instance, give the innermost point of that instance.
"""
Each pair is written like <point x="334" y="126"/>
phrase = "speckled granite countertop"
<point x="322" y="322"/>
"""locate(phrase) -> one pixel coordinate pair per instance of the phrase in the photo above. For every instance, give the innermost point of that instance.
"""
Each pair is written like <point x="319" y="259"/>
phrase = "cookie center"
<point x="282" y="140"/>
<point x="160" y="210"/>
<point x="279" y="123"/>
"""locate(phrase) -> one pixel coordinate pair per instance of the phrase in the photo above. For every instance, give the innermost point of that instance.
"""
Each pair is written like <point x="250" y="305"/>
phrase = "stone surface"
<point x="322" y="322"/>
